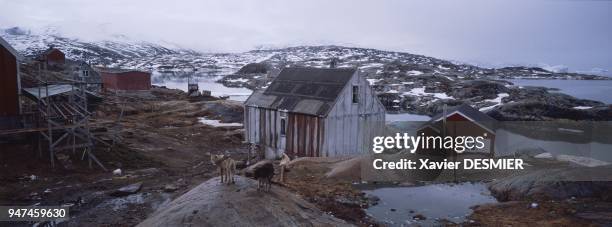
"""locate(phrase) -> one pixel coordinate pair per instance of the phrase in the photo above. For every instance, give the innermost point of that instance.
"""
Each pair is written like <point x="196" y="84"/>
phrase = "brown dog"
<point x="283" y="164"/>
<point x="227" y="167"/>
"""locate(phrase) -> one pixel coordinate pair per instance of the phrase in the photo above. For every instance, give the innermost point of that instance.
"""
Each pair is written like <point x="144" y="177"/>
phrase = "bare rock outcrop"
<point x="215" y="204"/>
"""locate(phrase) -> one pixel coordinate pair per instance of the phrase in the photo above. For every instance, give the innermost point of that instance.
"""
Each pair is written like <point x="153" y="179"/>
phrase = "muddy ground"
<point x="160" y="143"/>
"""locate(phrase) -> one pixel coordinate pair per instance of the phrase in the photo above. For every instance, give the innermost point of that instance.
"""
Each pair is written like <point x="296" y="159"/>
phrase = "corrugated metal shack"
<point x="10" y="86"/>
<point x="125" y="79"/>
<point x="314" y="112"/>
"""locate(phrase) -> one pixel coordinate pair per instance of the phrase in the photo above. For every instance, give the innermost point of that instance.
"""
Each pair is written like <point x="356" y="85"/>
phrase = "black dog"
<point x="264" y="174"/>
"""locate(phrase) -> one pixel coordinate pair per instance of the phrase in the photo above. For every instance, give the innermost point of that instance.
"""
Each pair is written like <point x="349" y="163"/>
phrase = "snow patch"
<point x="217" y="123"/>
<point x="373" y="81"/>
<point x="420" y="91"/>
<point x="414" y="73"/>
<point x="582" y="107"/>
<point x="582" y="161"/>
<point x="392" y="91"/>
<point x="545" y="155"/>
<point x="497" y="101"/>
<point x="241" y="80"/>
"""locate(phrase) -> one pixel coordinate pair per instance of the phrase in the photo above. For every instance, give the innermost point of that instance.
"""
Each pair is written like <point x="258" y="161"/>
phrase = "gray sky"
<point x="574" y="33"/>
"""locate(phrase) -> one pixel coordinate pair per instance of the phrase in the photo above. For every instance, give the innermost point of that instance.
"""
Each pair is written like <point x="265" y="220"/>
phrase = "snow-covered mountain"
<point x="121" y="51"/>
<point x="403" y="81"/>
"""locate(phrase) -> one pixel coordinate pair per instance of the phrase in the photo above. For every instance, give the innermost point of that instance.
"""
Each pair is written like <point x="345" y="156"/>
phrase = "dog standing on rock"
<point x="283" y="165"/>
<point x="227" y="167"/>
<point x="264" y="174"/>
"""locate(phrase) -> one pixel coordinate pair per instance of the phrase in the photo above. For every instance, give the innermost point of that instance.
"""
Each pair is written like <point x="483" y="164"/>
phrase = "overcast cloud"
<point x="575" y="33"/>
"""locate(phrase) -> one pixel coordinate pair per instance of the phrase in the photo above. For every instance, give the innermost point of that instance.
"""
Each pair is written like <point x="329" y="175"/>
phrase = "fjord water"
<point x="598" y="90"/>
<point x="206" y="81"/>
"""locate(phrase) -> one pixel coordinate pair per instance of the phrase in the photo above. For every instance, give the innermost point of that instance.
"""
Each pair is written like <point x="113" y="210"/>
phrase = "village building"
<point x="10" y="88"/>
<point x="85" y="73"/>
<point x="462" y="120"/>
<point x="125" y="79"/>
<point x="314" y="112"/>
<point x="52" y="57"/>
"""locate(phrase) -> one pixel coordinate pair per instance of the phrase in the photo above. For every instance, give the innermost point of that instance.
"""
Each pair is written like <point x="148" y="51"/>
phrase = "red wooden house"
<point x="125" y="79"/>
<point x="462" y="120"/>
<point x="10" y="86"/>
<point x="52" y="56"/>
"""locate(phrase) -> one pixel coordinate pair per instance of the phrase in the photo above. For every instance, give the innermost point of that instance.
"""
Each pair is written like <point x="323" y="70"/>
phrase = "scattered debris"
<point x="117" y="172"/>
<point x="419" y="217"/>
<point x="127" y="190"/>
<point x="170" y="188"/>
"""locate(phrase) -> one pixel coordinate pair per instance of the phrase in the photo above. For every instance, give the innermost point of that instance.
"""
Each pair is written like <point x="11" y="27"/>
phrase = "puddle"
<point x="398" y="205"/>
<point x="154" y="200"/>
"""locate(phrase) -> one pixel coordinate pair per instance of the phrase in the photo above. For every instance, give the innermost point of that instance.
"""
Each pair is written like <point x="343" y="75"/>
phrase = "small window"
<point x="85" y="73"/>
<point x="355" y="94"/>
<point x="283" y="126"/>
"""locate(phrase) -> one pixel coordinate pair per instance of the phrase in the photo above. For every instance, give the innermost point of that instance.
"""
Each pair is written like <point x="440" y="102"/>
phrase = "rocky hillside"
<point x="419" y="84"/>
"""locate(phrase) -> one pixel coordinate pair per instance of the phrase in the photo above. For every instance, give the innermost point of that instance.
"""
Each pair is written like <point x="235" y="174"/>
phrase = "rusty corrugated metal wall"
<point x="126" y="80"/>
<point x="304" y="135"/>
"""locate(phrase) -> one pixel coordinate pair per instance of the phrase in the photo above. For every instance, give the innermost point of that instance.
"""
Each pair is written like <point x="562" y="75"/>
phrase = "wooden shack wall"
<point x="350" y="127"/>
<point x="262" y="126"/>
<point x="303" y="136"/>
<point x="9" y="88"/>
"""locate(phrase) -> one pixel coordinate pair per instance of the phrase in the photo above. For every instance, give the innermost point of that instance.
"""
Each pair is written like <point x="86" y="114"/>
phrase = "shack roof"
<point x="303" y="90"/>
<point x="10" y="48"/>
<point x="480" y="118"/>
<point x="51" y="49"/>
<point x="54" y="89"/>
